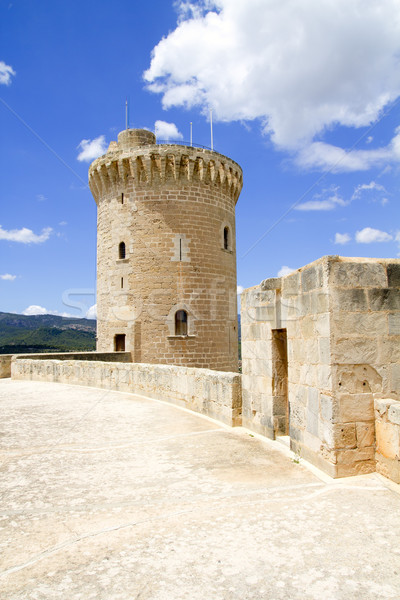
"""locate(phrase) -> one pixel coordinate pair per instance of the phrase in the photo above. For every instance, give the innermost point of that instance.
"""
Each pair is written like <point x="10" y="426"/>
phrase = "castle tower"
<point x="166" y="254"/>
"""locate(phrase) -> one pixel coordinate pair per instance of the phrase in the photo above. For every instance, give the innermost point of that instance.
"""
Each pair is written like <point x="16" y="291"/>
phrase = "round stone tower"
<point x="166" y="254"/>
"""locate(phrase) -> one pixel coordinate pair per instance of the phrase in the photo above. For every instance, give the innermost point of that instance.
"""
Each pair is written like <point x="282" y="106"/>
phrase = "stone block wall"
<point x="5" y="365"/>
<point x="212" y="393"/>
<point x="169" y="205"/>
<point x="387" y="427"/>
<point x="341" y="320"/>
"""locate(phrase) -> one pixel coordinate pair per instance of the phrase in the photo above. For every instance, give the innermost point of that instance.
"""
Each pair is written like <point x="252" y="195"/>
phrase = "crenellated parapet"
<point x="163" y="165"/>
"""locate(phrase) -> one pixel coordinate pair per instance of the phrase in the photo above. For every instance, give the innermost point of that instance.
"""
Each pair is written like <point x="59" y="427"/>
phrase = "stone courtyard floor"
<point x="110" y="496"/>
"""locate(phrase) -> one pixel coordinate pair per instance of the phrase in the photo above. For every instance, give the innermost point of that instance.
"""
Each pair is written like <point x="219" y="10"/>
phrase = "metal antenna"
<point x="126" y="113"/>
<point x="191" y="133"/>
<point x="211" y="125"/>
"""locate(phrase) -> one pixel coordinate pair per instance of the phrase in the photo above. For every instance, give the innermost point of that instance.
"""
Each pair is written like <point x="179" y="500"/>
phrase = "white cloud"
<point x="337" y="160"/>
<point x="167" y="131"/>
<point x="92" y="312"/>
<point x="298" y="67"/>
<point x="34" y="309"/>
<point x="6" y="73"/>
<point x="342" y="238"/>
<point x="91" y="149"/>
<point x="285" y="270"/>
<point x="372" y="186"/>
<point x="41" y="198"/>
<point x="240" y="289"/>
<point x="329" y="203"/>
<point x="369" y="235"/>
<point x="8" y="277"/>
<point x="25" y="235"/>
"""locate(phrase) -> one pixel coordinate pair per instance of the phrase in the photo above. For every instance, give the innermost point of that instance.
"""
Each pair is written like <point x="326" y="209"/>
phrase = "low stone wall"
<point x="97" y="356"/>
<point x="5" y="365"/>
<point x="387" y="431"/>
<point x="212" y="393"/>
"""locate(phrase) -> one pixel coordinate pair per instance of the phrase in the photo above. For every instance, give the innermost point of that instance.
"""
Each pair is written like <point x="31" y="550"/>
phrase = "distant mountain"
<point x="45" y="333"/>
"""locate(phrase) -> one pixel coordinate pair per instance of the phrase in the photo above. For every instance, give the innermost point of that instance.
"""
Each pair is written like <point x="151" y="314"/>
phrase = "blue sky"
<point x="305" y="97"/>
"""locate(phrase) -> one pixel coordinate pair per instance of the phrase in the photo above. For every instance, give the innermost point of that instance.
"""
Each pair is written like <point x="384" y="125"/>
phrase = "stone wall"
<point x="5" y="365"/>
<point x="123" y="357"/>
<point x="341" y="319"/>
<point x="387" y="425"/>
<point x="212" y="393"/>
<point x="169" y="205"/>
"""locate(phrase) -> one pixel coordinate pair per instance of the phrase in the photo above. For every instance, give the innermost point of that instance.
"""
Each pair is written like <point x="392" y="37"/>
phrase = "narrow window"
<point x="180" y="249"/>
<point x="121" y="250"/>
<point x="226" y="238"/>
<point x="119" y="342"/>
<point x="181" y="322"/>
<point x="122" y="283"/>
<point x="122" y="198"/>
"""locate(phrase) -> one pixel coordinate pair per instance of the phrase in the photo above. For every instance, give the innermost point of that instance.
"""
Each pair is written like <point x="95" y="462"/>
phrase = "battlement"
<point x="137" y="159"/>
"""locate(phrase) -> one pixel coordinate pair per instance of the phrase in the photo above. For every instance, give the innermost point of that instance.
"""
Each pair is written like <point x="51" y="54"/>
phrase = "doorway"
<point x="280" y="386"/>
<point x="119" y="342"/>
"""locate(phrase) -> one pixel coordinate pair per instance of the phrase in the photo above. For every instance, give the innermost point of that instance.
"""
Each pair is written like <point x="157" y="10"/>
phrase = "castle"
<point x="320" y="347"/>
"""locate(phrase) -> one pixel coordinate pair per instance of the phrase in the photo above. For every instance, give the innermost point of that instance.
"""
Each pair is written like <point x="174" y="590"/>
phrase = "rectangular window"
<point x="119" y="342"/>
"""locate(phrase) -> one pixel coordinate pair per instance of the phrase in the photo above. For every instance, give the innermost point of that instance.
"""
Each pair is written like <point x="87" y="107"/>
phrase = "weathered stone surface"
<point x="273" y="283"/>
<point x="358" y="379"/>
<point x="352" y="408"/>
<point x="394" y="324"/>
<point x="311" y="278"/>
<point x="5" y="365"/>
<point x="393" y="271"/>
<point x="387" y="427"/>
<point x="358" y="275"/>
<point x="384" y="299"/>
<point x="365" y="434"/>
<point x="349" y="300"/>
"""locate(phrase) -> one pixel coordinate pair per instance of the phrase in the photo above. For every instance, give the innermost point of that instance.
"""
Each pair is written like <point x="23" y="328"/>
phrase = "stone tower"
<point x="166" y="255"/>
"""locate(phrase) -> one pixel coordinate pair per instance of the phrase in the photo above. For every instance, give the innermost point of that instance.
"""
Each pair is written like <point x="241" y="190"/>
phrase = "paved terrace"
<point x="110" y="496"/>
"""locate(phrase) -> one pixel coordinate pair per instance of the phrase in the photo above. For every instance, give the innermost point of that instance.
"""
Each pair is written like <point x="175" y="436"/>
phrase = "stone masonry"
<point x="172" y="208"/>
<point x="318" y="347"/>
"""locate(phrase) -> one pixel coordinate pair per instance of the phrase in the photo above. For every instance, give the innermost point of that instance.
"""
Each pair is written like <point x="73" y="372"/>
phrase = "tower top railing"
<point x="183" y="143"/>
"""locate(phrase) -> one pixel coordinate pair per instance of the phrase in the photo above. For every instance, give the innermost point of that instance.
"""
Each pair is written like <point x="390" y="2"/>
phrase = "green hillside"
<point x="45" y="333"/>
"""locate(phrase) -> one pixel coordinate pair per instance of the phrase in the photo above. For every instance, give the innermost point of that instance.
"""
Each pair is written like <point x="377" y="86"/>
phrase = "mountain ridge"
<point x="45" y="333"/>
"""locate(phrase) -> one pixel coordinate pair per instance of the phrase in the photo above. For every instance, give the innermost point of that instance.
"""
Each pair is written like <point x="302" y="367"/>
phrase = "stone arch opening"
<point x="122" y="250"/>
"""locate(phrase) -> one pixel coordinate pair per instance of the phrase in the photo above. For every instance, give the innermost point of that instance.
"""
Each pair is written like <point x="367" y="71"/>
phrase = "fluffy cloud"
<point x="369" y="235"/>
<point x="240" y="289"/>
<point x="337" y="160"/>
<point x="8" y="277"/>
<point x="285" y="270"/>
<point x="167" y="131"/>
<point x="6" y="73"/>
<point x="298" y="67"/>
<point x="342" y="238"/>
<point x="25" y="235"/>
<point x="366" y="187"/>
<point x="92" y="312"/>
<point x="327" y="200"/>
<point x="34" y="309"/>
<point x="91" y="149"/>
